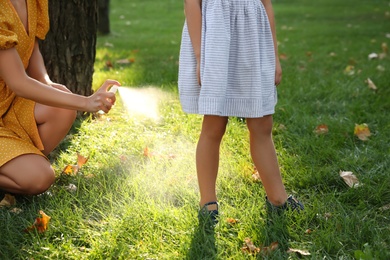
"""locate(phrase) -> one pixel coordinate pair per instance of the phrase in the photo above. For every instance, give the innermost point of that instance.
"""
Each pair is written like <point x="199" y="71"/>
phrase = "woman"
<point x="35" y="113"/>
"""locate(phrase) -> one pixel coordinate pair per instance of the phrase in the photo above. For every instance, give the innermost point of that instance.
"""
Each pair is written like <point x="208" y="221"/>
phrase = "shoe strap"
<point x="211" y="203"/>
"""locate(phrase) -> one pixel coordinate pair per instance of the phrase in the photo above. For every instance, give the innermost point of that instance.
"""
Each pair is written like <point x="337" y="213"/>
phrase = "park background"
<point x="136" y="197"/>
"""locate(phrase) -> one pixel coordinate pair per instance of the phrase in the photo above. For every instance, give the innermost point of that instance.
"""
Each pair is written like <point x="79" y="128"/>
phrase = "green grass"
<point x="129" y="206"/>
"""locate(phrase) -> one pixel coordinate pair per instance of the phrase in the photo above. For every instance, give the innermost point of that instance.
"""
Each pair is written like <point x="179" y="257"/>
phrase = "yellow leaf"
<point x="40" y="224"/>
<point x="71" y="169"/>
<point x="232" y="221"/>
<point x="362" y="132"/>
<point x="349" y="70"/>
<point x="350" y="179"/>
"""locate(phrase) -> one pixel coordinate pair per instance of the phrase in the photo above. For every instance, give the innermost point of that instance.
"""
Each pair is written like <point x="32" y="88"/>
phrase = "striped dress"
<point x="237" y="62"/>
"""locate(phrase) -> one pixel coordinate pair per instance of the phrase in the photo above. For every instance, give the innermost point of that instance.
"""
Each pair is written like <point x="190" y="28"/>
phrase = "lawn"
<point x="137" y="196"/>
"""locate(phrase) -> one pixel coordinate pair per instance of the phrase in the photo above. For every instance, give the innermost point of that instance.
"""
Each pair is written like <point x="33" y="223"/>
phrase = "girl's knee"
<point x="261" y="125"/>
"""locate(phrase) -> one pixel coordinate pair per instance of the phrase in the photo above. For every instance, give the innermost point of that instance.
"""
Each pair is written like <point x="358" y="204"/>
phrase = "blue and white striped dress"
<point x="237" y="62"/>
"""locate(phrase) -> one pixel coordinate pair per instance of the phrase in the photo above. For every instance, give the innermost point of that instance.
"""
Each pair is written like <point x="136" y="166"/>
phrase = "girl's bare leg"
<point x="53" y="125"/>
<point x="207" y="157"/>
<point x="28" y="174"/>
<point x="265" y="159"/>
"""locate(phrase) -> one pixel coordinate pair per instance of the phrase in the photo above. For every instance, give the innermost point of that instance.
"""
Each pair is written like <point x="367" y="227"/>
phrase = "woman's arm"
<point x="37" y="70"/>
<point x="270" y="13"/>
<point x="13" y="73"/>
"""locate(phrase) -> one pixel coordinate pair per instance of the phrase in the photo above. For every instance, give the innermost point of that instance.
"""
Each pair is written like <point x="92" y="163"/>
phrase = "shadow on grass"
<point x="276" y="230"/>
<point x="203" y="245"/>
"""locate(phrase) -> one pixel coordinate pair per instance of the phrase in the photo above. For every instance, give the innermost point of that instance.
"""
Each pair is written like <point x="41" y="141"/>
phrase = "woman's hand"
<point x="102" y="99"/>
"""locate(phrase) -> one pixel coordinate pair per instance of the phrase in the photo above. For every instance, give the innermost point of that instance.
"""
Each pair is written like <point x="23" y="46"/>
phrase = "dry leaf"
<point x="385" y="207"/>
<point x="256" y="175"/>
<point x="16" y="210"/>
<point x="372" y="56"/>
<point x="385" y="49"/>
<point x="109" y="64"/>
<point x="350" y="179"/>
<point x="249" y="247"/>
<point x="71" y="169"/>
<point x="299" y="252"/>
<point x="81" y="160"/>
<point x="40" y="224"/>
<point x="308" y="231"/>
<point x="283" y="56"/>
<point x="270" y="248"/>
<point x="232" y="221"/>
<point x="371" y="84"/>
<point x="349" y="70"/>
<point x="362" y="132"/>
<point x="380" y="68"/>
<point x="321" y="129"/>
<point x="8" y="200"/>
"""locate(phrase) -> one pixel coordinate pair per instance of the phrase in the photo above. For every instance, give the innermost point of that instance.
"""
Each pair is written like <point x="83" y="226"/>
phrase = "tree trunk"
<point x="70" y="47"/>
<point x="104" y="18"/>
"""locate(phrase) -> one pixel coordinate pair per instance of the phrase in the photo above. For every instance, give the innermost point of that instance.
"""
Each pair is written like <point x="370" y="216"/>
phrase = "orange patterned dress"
<point x="18" y="130"/>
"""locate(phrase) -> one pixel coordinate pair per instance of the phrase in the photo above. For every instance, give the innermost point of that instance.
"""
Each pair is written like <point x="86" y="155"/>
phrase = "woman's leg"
<point x="265" y="159"/>
<point x="207" y="157"/>
<point x="28" y="174"/>
<point x="53" y="125"/>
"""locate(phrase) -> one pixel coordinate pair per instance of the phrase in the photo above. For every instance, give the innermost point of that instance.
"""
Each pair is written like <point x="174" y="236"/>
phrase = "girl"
<point x="35" y="113"/>
<point x="229" y="66"/>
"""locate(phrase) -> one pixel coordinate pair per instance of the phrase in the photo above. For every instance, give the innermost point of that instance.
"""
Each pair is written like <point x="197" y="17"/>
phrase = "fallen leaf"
<point x="321" y="129"/>
<point x="385" y="207"/>
<point x="270" y="248"/>
<point x="40" y="224"/>
<point x="16" y="210"/>
<point x="81" y="160"/>
<point x="328" y="215"/>
<point x="71" y="187"/>
<point x="299" y="252"/>
<point x="71" y="169"/>
<point x="283" y="56"/>
<point x="109" y="64"/>
<point x="350" y="179"/>
<point x="256" y="175"/>
<point x="385" y="49"/>
<point x="8" y="200"/>
<point x="249" y="247"/>
<point x="372" y="56"/>
<point x="362" y="132"/>
<point x="371" y="84"/>
<point x="349" y="70"/>
<point x="308" y="231"/>
<point x="380" y="68"/>
<point x="232" y="221"/>
<point x="332" y="54"/>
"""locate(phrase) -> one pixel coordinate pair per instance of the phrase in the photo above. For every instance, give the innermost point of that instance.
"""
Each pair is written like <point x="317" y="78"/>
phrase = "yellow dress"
<point x="18" y="129"/>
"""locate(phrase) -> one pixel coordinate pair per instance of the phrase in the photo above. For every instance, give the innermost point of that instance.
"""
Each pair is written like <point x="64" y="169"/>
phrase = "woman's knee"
<point x="40" y="182"/>
<point x="214" y="127"/>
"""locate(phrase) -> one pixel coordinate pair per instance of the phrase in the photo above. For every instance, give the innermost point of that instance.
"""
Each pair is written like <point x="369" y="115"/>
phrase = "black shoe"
<point x="290" y="204"/>
<point x="208" y="216"/>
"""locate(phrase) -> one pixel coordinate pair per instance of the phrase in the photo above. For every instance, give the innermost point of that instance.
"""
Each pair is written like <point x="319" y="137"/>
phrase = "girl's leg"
<point x="28" y="174"/>
<point x="207" y="157"/>
<point x="53" y="125"/>
<point x="264" y="156"/>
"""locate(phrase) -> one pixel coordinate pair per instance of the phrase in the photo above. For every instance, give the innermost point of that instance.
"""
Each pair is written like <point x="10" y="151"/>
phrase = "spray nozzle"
<point x="113" y="89"/>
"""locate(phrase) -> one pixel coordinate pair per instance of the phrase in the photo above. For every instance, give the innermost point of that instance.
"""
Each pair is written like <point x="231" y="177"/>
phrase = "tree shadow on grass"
<point x="276" y="230"/>
<point x="203" y="245"/>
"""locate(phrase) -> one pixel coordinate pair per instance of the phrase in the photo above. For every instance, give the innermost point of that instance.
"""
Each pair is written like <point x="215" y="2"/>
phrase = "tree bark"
<point x="69" y="49"/>
<point x="104" y="18"/>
